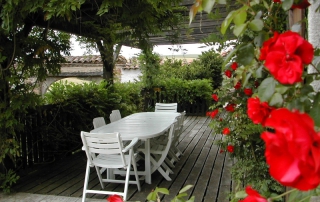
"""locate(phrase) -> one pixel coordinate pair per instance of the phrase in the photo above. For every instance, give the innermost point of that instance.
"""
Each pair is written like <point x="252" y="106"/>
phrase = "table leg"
<point x="147" y="161"/>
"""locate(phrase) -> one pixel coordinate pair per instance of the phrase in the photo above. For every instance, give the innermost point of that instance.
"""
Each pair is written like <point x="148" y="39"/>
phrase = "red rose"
<point x="301" y="5"/>
<point x="292" y="149"/>
<point x="234" y="66"/>
<point x="238" y="85"/>
<point x="215" y="97"/>
<point x="212" y="114"/>
<point x="248" y="91"/>
<point x="257" y="111"/>
<point x="115" y="198"/>
<point x="230" y="107"/>
<point x="285" y="57"/>
<point x="266" y="45"/>
<point x="226" y="131"/>
<point x="230" y="148"/>
<point x="228" y="73"/>
<point x="253" y="196"/>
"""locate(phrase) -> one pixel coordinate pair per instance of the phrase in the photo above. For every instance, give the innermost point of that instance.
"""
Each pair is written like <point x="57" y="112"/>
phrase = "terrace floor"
<point x="202" y="166"/>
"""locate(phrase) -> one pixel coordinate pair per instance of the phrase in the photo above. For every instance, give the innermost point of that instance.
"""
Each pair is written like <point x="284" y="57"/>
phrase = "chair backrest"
<point x="166" y="107"/>
<point x="183" y="117"/>
<point x="98" y="122"/>
<point x="102" y="143"/>
<point x="178" y="128"/>
<point x="115" y="115"/>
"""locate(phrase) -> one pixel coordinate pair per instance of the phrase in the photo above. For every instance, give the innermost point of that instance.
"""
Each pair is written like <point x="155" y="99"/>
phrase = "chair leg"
<point x="126" y="183"/>
<point x="100" y="177"/>
<point x="157" y="166"/>
<point x="134" y="164"/>
<point x="86" y="181"/>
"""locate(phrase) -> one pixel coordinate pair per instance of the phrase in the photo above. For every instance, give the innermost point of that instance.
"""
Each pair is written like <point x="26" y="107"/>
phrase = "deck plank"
<point x="201" y="165"/>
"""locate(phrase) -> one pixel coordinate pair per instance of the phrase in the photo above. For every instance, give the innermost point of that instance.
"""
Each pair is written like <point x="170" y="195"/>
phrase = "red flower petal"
<point x="226" y="131"/>
<point x="115" y="198"/>
<point x="234" y="66"/>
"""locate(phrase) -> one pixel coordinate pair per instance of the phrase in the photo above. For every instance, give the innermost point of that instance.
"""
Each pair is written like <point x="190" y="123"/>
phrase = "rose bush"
<point x="293" y="149"/>
<point x="275" y="125"/>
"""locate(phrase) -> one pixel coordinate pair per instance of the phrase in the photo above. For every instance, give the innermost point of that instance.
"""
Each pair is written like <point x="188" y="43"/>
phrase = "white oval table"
<point x="144" y="125"/>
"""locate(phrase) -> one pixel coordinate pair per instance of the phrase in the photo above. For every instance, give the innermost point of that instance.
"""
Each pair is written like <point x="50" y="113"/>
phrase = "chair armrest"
<point x="132" y="143"/>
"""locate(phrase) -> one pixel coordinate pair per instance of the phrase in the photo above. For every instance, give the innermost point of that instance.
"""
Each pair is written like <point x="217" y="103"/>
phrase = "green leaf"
<point x="258" y="15"/>
<point x="276" y="100"/>
<point x="152" y="196"/>
<point x="260" y="38"/>
<point x="245" y="54"/>
<point x="245" y="78"/>
<point x="240" y="194"/>
<point x="259" y="72"/>
<point x="314" y="113"/>
<point x="238" y="29"/>
<point x="162" y="190"/>
<point x="316" y="62"/>
<point x="306" y="89"/>
<point x="207" y="5"/>
<point x="256" y="25"/>
<point x="186" y="188"/>
<point x="229" y="56"/>
<point x="191" y="199"/>
<point x="266" y="5"/>
<point x="281" y="88"/>
<point x="221" y="1"/>
<point x="226" y="22"/>
<point x="181" y="195"/>
<point x="286" y="4"/>
<point x="240" y="17"/>
<point x="266" y="89"/>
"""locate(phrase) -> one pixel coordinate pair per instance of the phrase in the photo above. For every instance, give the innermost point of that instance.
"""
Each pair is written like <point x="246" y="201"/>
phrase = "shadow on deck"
<point x="202" y="165"/>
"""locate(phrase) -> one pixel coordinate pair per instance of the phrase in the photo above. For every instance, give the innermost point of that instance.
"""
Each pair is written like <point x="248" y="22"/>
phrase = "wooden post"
<point x="296" y="16"/>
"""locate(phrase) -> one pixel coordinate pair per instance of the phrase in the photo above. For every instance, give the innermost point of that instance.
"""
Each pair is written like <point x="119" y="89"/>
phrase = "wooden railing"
<point x="198" y="108"/>
<point x="53" y="131"/>
<point x="49" y="132"/>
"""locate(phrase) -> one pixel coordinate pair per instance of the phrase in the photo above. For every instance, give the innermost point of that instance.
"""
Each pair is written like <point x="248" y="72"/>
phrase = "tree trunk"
<point x="106" y="52"/>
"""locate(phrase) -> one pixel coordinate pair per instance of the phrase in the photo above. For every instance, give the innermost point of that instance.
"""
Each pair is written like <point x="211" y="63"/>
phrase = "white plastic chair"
<point x="174" y="148"/>
<point x="98" y="122"/>
<point x="105" y="151"/>
<point x="115" y="115"/>
<point x="159" y="154"/>
<point x="166" y="107"/>
<point x="174" y="152"/>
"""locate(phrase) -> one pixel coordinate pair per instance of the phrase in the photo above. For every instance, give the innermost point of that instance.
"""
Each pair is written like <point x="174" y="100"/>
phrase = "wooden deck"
<point x="202" y="165"/>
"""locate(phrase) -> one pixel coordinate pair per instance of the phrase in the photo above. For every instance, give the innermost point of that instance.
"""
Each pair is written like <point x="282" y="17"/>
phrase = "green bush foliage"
<point x="244" y="137"/>
<point x="189" y="91"/>
<point x="207" y="66"/>
<point x="96" y="99"/>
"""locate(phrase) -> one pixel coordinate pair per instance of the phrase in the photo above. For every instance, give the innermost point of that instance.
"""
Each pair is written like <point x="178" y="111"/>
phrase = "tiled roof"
<point x="92" y="59"/>
<point x="96" y="60"/>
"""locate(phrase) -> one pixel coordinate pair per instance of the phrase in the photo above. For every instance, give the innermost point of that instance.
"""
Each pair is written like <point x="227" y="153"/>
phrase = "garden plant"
<point x="268" y="107"/>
